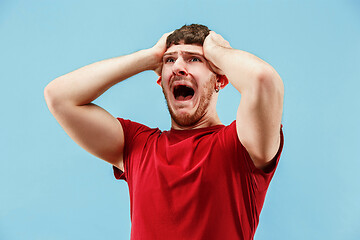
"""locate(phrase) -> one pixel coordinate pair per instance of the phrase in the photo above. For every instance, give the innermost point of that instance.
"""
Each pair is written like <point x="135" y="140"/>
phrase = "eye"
<point x="169" y="60"/>
<point x="195" y="59"/>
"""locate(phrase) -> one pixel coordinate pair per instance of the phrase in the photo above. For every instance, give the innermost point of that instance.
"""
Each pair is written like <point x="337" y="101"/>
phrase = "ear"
<point x="222" y="81"/>
<point x="159" y="81"/>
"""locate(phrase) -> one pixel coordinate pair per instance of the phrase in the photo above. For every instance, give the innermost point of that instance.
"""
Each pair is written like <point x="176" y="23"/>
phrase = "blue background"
<point x="50" y="188"/>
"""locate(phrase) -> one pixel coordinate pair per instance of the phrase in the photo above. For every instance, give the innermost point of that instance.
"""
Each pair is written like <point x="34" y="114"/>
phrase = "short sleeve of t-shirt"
<point x="132" y="130"/>
<point x="260" y="178"/>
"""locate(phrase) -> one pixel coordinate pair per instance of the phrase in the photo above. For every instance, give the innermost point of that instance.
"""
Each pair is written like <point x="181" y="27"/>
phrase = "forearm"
<point x="84" y="85"/>
<point x="245" y="71"/>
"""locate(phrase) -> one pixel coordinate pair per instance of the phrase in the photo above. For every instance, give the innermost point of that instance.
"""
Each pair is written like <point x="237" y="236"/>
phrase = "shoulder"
<point x="130" y="125"/>
<point x="232" y="146"/>
<point x="228" y="134"/>
<point x="134" y="130"/>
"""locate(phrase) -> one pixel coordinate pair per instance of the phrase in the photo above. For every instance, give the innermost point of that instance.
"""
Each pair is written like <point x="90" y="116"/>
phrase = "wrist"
<point x="146" y="59"/>
<point x="153" y="58"/>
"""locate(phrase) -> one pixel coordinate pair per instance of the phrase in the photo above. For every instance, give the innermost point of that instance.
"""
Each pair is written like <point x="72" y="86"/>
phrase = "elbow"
<point x="47" y="93"/>
<point x="50" y="95"/>
<point x="269" y="80"/>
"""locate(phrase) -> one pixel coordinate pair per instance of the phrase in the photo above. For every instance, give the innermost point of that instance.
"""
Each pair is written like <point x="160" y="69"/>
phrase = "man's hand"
<point x="212" y="43"/>
<point x="158" y="51"/>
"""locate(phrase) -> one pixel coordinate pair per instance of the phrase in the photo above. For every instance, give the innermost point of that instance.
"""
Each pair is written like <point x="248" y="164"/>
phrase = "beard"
<point x="187" y="119"/>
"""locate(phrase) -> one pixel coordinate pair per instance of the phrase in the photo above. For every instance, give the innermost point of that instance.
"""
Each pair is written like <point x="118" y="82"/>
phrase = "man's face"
<point x="188" y="84"/>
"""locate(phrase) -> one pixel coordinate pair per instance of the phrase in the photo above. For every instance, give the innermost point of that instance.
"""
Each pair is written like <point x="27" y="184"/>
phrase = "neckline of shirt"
<point x="187" y="131"/>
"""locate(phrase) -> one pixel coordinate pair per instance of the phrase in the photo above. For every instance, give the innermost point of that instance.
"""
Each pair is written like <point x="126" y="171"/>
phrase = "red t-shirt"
<point x="192" y="184"/>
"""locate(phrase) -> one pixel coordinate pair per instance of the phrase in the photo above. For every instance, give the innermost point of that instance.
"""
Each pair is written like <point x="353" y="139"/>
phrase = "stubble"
<point x="188" y="120"/>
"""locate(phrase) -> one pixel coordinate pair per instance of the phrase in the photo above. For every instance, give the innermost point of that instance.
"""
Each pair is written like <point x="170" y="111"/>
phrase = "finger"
<point x="165" y="35"/>
<point x="212" y="33"/>
<point x="220" y="40"/>
<point x="163" y="38"/>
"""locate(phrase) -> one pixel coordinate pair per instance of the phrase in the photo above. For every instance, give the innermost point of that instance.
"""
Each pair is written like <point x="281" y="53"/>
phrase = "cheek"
<point x="166" y="73"/>
<point x="202" y="71"/>
<point x="209" y="83"/>
<point x="167" y="67"/>
<point x="165" y="83"/>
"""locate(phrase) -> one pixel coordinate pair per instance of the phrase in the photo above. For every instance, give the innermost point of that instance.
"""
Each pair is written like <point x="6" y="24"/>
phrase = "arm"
<point x="259" y="113"/>
<point x="69" y="99"/>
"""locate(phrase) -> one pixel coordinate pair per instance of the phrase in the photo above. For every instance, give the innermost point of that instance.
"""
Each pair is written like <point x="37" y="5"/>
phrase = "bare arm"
<point x="69" y="99"/>
<point x="259" y="113"/>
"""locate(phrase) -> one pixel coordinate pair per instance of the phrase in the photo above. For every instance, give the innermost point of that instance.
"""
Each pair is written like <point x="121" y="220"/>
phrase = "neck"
<point x="203" y="122"/>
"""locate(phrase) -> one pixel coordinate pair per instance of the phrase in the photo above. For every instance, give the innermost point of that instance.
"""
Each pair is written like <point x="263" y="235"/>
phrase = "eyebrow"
<point x="186" y="52"/>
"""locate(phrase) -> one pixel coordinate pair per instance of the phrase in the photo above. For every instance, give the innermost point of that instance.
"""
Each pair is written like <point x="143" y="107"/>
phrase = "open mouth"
<point x="183" y="92"/>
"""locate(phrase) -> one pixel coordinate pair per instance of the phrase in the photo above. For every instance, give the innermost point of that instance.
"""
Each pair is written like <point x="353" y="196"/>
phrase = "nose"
<point x="179" y="67"/>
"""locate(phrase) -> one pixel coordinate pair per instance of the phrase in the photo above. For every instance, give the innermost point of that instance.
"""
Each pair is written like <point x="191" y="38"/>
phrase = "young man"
<point x="201" y="179"/>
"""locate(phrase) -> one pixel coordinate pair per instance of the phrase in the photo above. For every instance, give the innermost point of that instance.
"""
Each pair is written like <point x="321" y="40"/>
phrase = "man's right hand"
<point x="158" y="51"/>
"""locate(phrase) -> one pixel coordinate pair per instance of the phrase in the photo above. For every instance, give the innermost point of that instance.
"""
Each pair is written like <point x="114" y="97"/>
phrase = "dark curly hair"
<point x="188" y="34"/>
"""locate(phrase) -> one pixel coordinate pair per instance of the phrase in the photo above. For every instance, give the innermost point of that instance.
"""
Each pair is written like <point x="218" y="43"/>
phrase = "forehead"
<point x="185" y="48"/>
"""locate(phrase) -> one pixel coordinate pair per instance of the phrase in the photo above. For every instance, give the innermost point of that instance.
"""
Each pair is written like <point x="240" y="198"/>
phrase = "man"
<point x="201" y="179"/>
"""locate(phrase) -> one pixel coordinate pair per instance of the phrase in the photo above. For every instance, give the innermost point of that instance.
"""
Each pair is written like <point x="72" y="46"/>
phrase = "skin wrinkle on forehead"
<point x="184" y="52"/>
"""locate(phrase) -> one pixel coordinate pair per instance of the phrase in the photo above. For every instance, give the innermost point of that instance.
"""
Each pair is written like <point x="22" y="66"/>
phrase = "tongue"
<point x="182" y="98"/>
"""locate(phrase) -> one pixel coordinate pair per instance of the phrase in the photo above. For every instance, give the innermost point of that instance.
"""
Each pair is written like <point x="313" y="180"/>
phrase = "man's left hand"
<point x="213" y="43"/>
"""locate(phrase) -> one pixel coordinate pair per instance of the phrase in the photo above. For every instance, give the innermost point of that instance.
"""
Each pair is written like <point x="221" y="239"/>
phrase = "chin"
<point x="188" y="118"/>
<point x="185" y="120"/>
